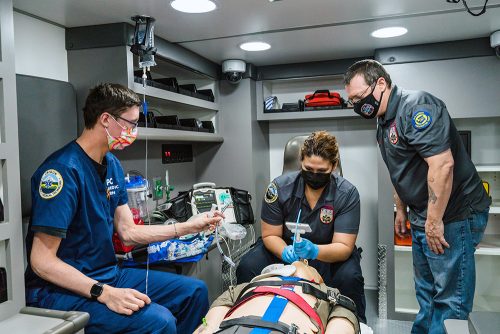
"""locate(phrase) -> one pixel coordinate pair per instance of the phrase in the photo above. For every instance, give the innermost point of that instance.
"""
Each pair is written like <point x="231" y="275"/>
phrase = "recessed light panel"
<point x="255" y="46"/>
<point x="193" y="6"/>
<point x="389" y="32"/>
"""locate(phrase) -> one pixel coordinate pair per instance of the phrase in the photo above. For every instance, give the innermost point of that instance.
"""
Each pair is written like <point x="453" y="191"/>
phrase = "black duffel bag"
<point x="242" y="206"/>
<point x="180" y="209"/>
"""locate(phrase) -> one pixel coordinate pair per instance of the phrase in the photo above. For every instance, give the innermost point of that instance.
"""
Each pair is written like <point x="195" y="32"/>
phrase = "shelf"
<point x="308" y="115"/>
<point x="174" y="101"/>
<point x="490" y="245"/>
<point x="402" y="248"/>
<point x="488" y="168"/>
<point x="178" y="135"/>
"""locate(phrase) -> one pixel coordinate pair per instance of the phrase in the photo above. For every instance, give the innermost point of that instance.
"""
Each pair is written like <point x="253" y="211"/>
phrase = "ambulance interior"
<point x="220" y="120"/>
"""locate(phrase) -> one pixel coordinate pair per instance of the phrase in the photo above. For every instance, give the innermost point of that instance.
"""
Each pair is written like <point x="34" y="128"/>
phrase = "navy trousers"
<point x="345" y="276"/>
<point x="178" y="303"/>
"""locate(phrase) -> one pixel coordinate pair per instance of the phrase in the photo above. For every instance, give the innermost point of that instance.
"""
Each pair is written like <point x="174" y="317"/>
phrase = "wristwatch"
<point x="96" y="290"/>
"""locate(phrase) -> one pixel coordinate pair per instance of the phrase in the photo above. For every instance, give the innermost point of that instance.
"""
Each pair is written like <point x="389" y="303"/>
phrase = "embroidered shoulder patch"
<point x="51" y="184"/>
<point x="421" y="119"/>
<point x="271" y="193"/>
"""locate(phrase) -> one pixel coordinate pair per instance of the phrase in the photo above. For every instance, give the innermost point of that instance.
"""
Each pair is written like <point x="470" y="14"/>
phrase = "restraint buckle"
<point x="338" y="299"/>
<point x="293" y="329"/>
<point x="332" y="296"/>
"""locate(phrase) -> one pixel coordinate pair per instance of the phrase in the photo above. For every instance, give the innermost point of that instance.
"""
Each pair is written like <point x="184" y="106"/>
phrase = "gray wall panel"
<point x="47" y="121"/>
<point x="89" y="67"/>
<point x="468" y="86"/>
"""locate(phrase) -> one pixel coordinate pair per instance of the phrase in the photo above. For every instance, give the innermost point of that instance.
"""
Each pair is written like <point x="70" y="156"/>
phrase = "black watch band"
<point x="96" y="290"/>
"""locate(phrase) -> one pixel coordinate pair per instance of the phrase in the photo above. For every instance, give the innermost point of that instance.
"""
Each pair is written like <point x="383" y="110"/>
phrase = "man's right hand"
<point x="204" y="221"/>
<point x="123" y="301"/>
<point x="400" y="224"/>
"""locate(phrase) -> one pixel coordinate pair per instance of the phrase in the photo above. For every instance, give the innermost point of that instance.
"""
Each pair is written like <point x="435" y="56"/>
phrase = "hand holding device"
<point x="288" y="255"/>
<point x="305" y="249"/>
<point x="203" y="221"/>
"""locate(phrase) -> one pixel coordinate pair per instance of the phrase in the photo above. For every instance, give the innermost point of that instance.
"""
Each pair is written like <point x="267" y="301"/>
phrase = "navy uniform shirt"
<point x="415" y="126"/>
<point x="71" y="200"/>
<point x="337" y="209"/>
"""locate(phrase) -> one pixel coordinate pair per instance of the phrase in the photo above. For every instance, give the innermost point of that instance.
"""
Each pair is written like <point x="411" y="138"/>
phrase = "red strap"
<point x="240" y="303"/>
<point x="294" y="298"/>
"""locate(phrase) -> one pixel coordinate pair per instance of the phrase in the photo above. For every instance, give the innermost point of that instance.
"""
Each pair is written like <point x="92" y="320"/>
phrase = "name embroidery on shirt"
<point x="111" y="188"/>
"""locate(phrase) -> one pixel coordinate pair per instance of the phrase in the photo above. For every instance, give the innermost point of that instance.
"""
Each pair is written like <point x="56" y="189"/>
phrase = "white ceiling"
<point x="298" y="30"/>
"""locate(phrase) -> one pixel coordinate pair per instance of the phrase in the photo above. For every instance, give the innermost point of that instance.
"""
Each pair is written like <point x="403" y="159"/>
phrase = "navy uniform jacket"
<point x="415" y="126"/>
<point x="337" y="209"/>
<point x="71" y="200"/>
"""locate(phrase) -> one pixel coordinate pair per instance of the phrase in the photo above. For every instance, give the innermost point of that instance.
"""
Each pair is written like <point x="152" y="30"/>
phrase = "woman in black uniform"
<point x="329" y="204"/>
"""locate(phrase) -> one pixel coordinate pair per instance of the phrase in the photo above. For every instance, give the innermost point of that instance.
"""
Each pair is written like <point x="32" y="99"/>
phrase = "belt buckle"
<point x="293" y="329"/>
<point x="332" y="296"/>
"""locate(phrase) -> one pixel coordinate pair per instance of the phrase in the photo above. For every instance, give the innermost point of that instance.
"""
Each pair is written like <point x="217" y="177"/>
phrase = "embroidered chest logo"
<point x="271" y="193"/>
<point x="326" y="214"/>
<point x="111" y="188"/>
<point x="393" y="134"/>
<point x="51" y="184"/>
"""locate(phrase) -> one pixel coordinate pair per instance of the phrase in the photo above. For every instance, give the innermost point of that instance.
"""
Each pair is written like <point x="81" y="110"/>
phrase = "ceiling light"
<point x="255" y="46"/>
<point x="389" y="32"/>
<point x="193" y="6"/>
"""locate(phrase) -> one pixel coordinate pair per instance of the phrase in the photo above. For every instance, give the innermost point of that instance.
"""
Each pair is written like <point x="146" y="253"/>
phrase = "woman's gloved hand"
<point x="288" y="255"/>
<point x="305" y="249"/>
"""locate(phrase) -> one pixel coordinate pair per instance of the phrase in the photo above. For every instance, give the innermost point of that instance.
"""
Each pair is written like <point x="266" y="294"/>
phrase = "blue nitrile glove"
<point x="305" y="249"/>
<point x="288" y="255"/>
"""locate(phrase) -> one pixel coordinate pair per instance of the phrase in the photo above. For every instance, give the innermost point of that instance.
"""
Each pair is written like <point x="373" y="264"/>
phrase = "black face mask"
<point x="315" y="180"/>
<point x="368" y="107"/>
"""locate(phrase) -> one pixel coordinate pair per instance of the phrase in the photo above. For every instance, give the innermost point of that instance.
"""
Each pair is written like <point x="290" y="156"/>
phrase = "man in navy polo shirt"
<point x="433" y="176"/>
<point x="78" y="196"/>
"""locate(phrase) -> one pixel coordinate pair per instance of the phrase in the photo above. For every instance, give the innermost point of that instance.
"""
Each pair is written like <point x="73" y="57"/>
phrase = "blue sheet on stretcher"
<point x="173" y="251"/>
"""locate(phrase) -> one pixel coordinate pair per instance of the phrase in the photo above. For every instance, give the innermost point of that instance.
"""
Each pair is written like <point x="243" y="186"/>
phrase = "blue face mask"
<point x="368" y="106"/>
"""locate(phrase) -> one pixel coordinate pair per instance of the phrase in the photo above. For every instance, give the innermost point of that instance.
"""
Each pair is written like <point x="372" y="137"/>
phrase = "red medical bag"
<point x="323" y="98"/>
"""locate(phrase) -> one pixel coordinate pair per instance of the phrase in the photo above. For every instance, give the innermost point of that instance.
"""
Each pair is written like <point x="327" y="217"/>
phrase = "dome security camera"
<point x="233" y="70"/>
<point x="495" y="42"/>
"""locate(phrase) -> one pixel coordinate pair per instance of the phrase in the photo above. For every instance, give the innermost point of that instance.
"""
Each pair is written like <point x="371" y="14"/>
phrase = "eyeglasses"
<point x="134" y="124"/>
<point x="356" y="101"/>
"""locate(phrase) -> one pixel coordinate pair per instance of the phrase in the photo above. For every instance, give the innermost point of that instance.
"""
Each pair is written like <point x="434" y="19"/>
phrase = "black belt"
<point x="254" y="322"/>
